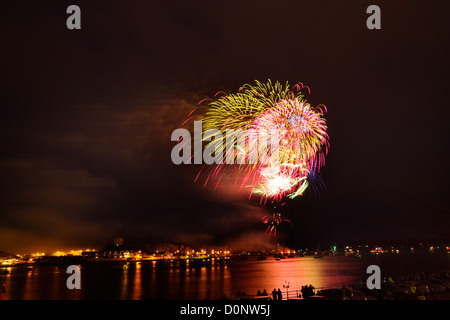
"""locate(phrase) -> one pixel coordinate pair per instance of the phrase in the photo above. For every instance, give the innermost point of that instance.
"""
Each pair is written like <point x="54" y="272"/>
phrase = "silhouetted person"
<point x="274" y="294"/>
<point x="279" y="294"/>
<point x="264" y="292"/>
<point x="303" y="292"/>
<point x="311" y="290"/>
<point x="258" y="293"/>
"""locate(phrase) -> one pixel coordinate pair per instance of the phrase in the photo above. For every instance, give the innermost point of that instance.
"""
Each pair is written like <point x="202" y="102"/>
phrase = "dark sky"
<point x="86" y="117"/>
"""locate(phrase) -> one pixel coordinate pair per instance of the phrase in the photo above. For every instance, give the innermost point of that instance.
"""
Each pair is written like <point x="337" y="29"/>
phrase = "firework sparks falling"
<point x="273" y="223"/>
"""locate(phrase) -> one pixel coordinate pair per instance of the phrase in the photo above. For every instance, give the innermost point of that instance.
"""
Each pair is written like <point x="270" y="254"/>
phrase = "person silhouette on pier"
<point x="274" y="294"/>
<point x="311" y="290"/>
<point x="279" y="294"/>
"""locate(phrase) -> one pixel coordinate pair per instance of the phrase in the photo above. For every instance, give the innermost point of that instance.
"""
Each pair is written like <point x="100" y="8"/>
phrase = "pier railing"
<point x="290" y="294"/>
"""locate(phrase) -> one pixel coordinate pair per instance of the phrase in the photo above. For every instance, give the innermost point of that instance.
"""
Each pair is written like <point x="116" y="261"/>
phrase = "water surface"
<point x="209" y="279"/>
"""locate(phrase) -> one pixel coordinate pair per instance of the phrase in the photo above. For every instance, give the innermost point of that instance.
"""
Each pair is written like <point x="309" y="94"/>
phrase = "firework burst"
<point x="275" y="143"/>
<point x="274" y="111"/>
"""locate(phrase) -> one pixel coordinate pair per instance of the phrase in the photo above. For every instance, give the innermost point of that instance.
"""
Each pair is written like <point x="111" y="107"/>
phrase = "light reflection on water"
<point x="272" y="274"/>
<point x="210" y="279"/>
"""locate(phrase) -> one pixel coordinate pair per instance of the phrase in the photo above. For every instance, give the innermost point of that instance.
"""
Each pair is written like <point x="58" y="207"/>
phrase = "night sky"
<point x="86" y="117"/>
